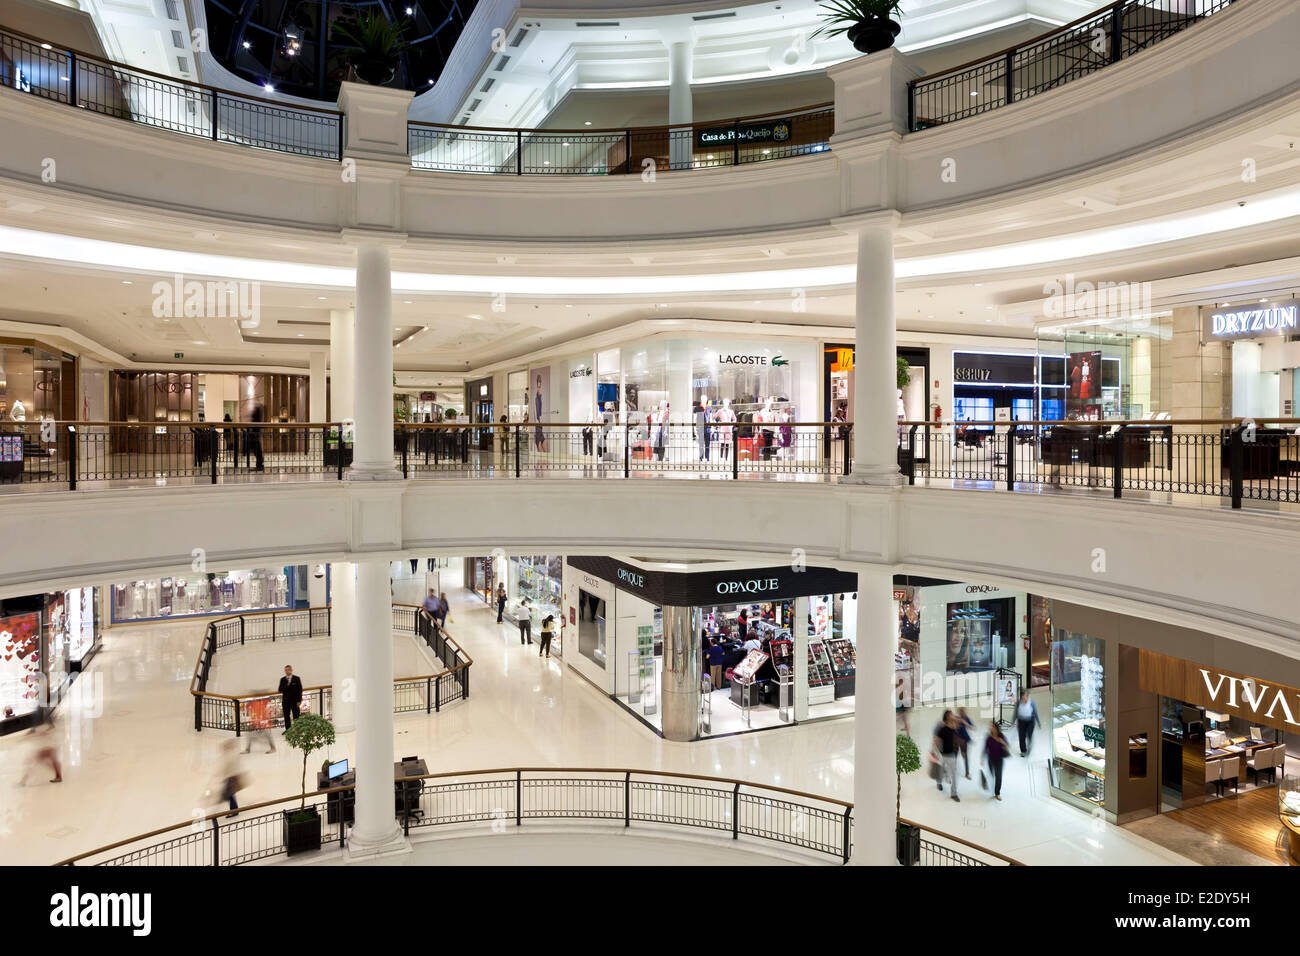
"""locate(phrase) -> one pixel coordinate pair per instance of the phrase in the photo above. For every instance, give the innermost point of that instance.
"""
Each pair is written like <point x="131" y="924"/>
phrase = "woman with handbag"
<point x="996" y="749"/>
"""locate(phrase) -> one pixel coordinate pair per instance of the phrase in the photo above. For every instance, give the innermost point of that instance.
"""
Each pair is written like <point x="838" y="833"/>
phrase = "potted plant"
<point x="309" y="733"/>
<point x="378" y="43"/>
<point x="907" y="759"/>
<point x="904" y="373"/>
<point x="869" y="24"/>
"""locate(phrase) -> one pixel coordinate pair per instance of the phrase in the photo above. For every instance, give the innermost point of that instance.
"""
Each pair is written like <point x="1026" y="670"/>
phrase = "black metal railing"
<point x="252" y="712"/>
<point x="814" y="827"/>
<point x="641" y="449"/>
<point x="1077" y="49"/>
<point x="1236" y="461"/>
<point x="642" y="151"/>
<point x="32" y="65"/>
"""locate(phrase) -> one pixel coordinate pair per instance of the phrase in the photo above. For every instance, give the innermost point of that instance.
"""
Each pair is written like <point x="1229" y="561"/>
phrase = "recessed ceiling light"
<point x="1263" y="300"/>
<point x="126" y="282"/>
<point x="299" y="335"/>
<point x="588" y="123"/>
<point x="406" y="302"/>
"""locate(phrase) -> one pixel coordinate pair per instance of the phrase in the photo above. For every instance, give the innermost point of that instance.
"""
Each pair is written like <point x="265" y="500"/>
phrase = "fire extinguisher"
<point x="938" y="412"/>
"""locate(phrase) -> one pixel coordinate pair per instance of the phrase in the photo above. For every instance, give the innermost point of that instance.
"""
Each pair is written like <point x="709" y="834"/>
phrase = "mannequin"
<point x="19" y="412"/>
<point x="726" y="416"/>
<point x="766" y="416"/>
<point x="702" y="427"/>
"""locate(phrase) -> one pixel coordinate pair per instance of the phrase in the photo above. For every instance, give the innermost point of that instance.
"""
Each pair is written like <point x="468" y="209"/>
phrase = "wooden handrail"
<point x="966" y="843"/>
<point x="1111" y="423"/>
<point x="307" y="610"/>
<point x="625" y="772"/>
<point x="95" y="57"/>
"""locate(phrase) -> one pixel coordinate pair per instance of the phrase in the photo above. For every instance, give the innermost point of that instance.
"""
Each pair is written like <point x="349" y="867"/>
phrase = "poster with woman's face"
<point x="1083" y="399"/>
<point x="958" y="645"/>
<point x="540" y="394"/>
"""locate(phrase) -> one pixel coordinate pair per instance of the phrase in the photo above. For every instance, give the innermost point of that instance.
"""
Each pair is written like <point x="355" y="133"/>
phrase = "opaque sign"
<point x="752" y="586"/>
<point x="631" y="578"/>
<point x="1230" y="324"/>
<point x="775" y="131"/>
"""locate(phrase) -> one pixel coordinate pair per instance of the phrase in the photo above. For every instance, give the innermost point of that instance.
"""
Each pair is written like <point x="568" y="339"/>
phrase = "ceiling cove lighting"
<point x="26" y="244"/>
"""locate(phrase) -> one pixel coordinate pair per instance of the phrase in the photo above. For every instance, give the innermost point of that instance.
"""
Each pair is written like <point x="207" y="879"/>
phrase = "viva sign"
<point x="1248" y="694"/>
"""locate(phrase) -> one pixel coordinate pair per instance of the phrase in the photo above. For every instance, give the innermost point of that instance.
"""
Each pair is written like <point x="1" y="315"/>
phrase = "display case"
<point x="1078" y="717"/>
<point x="844" y="665"/>
<point x="821" y="679"/>
<point x="203" y="594"/>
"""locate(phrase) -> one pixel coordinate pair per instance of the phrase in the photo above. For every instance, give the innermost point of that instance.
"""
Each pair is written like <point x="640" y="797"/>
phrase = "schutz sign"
<point x="1226" y="325"/>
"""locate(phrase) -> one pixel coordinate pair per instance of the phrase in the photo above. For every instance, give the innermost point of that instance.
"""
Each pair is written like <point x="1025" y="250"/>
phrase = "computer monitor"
<point x="336" y="770"/>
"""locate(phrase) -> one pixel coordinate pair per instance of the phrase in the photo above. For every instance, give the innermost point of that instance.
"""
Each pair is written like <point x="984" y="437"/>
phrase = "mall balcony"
<point x="1022" y="325"/>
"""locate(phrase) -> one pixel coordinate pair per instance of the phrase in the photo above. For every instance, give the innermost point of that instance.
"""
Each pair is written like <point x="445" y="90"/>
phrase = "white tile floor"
<point x="133" y="761"/>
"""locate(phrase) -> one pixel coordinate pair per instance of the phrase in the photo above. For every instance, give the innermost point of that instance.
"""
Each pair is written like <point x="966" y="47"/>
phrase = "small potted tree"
<point x="907" y="759"/>
<point x="378" y="43"/>
<point x="869" y="24"/>
<point x="309" y="733"/>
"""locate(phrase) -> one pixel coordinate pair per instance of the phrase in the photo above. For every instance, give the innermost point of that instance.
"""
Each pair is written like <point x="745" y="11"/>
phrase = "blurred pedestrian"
<point x="945" y="742"/>
<point x="964" y="727"/>
<point x="44" y="748"/>
<point x="257" y="720"/>
<point x="1026" y="721"/>
<point x="996" y="748"/>
<point x="232" y="780"/>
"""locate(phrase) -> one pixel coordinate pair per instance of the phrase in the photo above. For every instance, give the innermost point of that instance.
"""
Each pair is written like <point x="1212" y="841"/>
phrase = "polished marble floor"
<point x="133" y="761"/>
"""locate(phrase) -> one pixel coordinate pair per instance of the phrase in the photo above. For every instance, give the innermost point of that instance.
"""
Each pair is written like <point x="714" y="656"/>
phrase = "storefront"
<point x="539" y="579"/>
<point x="1147" y="722"/>
<point x="708" y="650"/>
<point x="45" y="642"/>
<point x="995" y="386"/>
<point x="208" y="594"/>
<point x="481" y="409"/>
<point x="837" y="382"/>
<point x="36" y="381"/>
<point x="1264" y="357"/>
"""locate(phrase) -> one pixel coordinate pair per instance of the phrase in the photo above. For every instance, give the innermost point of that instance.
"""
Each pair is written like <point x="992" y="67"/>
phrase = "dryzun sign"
<point x="1227" y="325"/>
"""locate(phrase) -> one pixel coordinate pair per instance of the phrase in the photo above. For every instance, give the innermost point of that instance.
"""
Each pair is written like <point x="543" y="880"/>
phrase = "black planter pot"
<point x="374" y="71"/>
<point x="909" y="845"/>
<point x="301" y="835"/>
<point x="874" y="35"/>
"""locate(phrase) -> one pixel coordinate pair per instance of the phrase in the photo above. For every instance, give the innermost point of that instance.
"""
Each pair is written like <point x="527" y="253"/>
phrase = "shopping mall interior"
<point x="643" y="426"/>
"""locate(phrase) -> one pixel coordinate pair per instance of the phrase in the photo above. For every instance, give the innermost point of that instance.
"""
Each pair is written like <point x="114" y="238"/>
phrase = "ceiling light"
<point x="126" y="282"/>
<point x="247" y="45"/>
<point x="410" y="11"/>
<point x="299" y="335"/>
<point x="320" y="298"/>
<point x="268" y="87"/>
<point x="588" y="123"/>
<point x="406" y="302"/>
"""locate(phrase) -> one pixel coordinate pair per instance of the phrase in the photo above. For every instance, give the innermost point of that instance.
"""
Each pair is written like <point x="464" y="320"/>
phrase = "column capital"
<point x="882" y="220"/>
<point x="360" y="236"/>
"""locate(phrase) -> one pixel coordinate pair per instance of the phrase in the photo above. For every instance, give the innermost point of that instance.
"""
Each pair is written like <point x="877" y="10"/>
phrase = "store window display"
<point x="539" y="578"/>
<point x="1078" y="716"/>
<point x="21" y="672"/>
<point x="203" y="594"/>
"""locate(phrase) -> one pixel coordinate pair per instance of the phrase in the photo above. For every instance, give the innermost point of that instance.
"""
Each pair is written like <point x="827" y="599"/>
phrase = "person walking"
<point x="525" y="619"/>
<point x="1026" y="721"/>
<point x="501" y="602"/>
<point x="290" y="691"/>
<point x="548" y="632"/>
<point x="232" y="781"/>
<point x="996" y="748"/>
<point x="432" y="606"/>
<point x="444" y="610"/>
<point x="945" y="742"/>
<point x="964" y="727"/>
<point x="44" y="749"/>
<point x="253" y="441"/>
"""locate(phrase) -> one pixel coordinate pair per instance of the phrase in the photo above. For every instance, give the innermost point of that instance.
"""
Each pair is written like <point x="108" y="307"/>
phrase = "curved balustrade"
<point x="32" y="65"/>
<point x="237" y="713"/>
<point x="736" y="141"/>
<point x="1235" y="460"/>
<point x="816" y="827"/>
<point x="1077" y="49"/>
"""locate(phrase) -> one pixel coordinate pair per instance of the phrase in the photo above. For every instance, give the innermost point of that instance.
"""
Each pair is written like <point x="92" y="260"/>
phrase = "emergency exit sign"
<point x="178" y="355"/>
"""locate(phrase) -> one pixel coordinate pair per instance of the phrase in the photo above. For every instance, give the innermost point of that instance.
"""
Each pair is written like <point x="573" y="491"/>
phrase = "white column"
<point x="316" y="386"/>
<point x="376" y="829"/>
<point x="875" y="357"/>
<point x="681" y="109"/>
<point x="372" y="350"/>
<point x="874" y="721"/>
<point x="800" y="632"/>
<point x="343" y="644"/>
<point x="341" y="338"/>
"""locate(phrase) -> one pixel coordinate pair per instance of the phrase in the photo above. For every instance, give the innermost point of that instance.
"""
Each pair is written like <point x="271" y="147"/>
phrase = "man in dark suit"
<point x="290" y="696"/>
